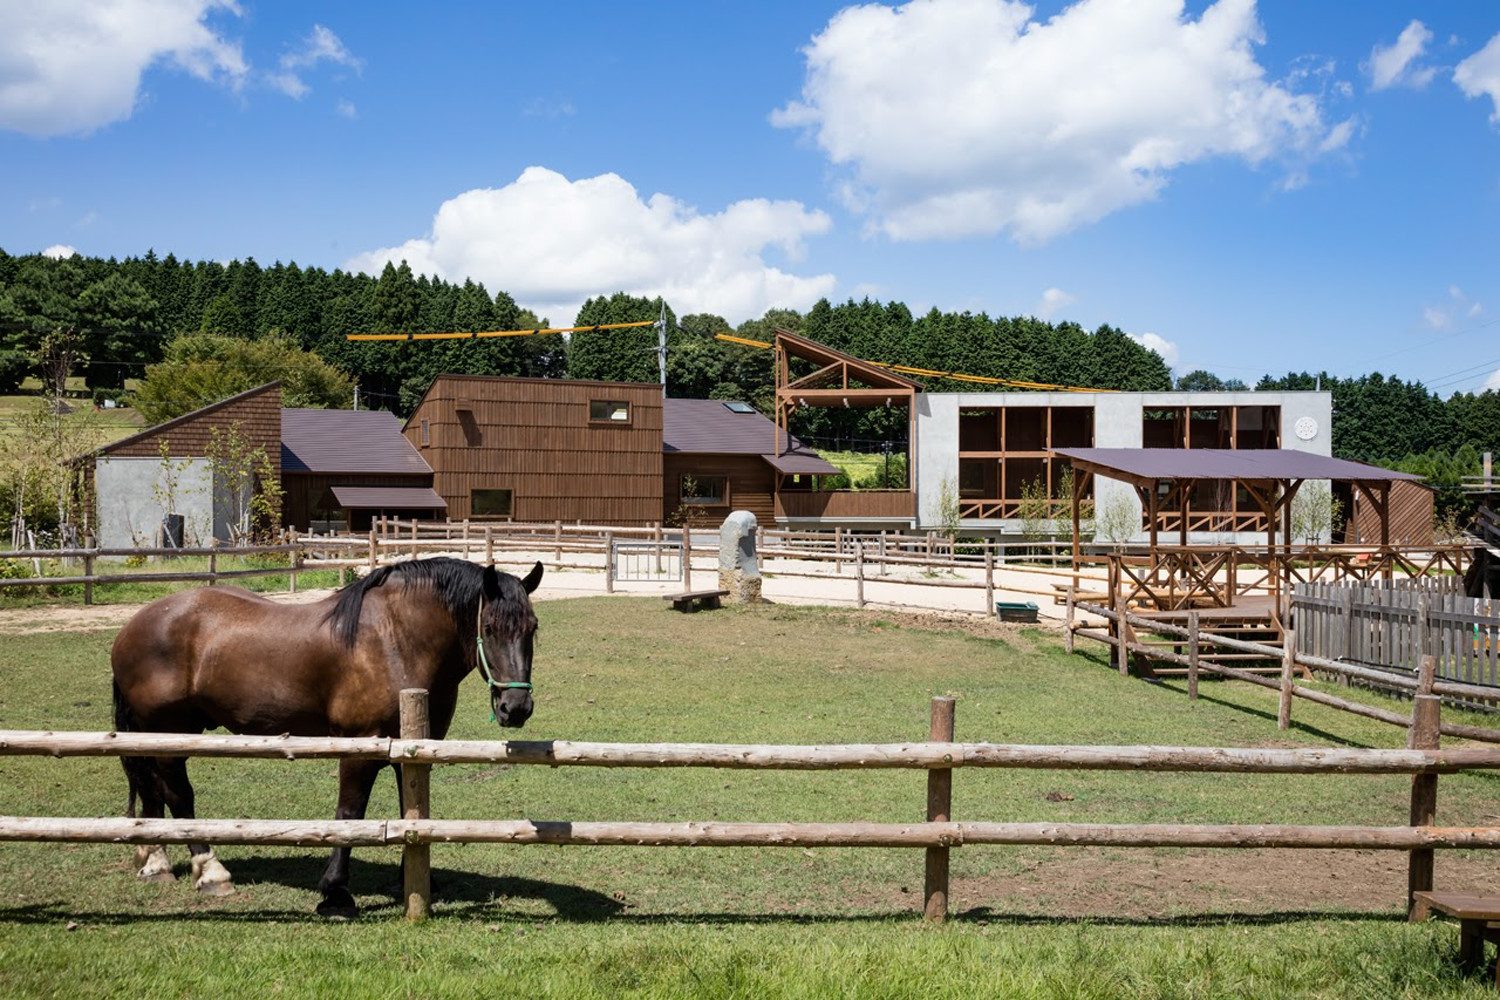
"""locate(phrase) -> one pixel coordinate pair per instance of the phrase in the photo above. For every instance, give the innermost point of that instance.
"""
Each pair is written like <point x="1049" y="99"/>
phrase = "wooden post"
<point x="609" y="562"/>
<point x="1122" y="630"/>
<point x="88" y="583"/>
<point x="989" y="586"/>
<point x="859" y="573"/>
<point x="489" y="545"/>
<point x="1068" y="637"/>
<point x="296" y="563"/>
<point x="1425" y="734"/>
<point x="882" y="553"/>
<point x="414" y="538"/>
<point x="1192" y="654"/>
<point x="687" y="560"/>
<point x="557" y="541"/>
<point x="939" y="810"/>
<point x="838" y="550"/>
<point x="416" y="858"/>
<point x="1348" y="650"/>
<point x="656" y="537"/>
<point x="213" y="561"/>
<point x="374" y="550"/>
<point x="1288" y="665"/>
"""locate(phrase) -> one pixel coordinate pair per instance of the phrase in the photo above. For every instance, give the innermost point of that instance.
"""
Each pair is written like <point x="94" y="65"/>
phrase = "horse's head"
<point x="507" y="627"/>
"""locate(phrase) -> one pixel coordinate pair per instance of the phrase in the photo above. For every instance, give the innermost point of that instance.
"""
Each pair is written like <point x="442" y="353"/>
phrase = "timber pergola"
<point x="841" y="380"/>
<point x="1272" y="477"/>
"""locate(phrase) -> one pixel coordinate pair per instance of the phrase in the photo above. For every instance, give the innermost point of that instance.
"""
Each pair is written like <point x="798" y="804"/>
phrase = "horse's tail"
<point x="137" y="769"/>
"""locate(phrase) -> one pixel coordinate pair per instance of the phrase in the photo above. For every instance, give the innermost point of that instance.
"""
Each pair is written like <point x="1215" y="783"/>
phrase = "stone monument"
<point x="739" y="569"/>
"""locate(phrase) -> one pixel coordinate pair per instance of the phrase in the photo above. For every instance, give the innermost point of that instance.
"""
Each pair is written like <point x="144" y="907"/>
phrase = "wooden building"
<point x="131" y="484"/>
<point x="543" y="449"/>
<point x="340" y="469"/>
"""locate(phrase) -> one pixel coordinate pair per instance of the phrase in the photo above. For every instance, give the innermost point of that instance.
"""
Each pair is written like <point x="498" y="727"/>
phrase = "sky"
<point x="1246" y="187"/>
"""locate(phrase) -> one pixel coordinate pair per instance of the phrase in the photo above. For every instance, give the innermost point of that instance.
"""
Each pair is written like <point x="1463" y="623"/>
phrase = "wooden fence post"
<point x="838" y="550"/>
<point x="296" y="564"/>
<point x="1288" y="666"/>
<point x="414" y="538"/>
<point x="374" y="550"/>
<point x="656" y="537"/>
<point x="1068" y="637"/>
<point x="557" y="541"/>
<point x="1122" y="631"/>
<point x="939" y="810"/>
<point x="416" y="858"/>
<point x="609" y="562"/>
<point x="989" y="587"/>
<point x="88" y="572"/>
<point x="1192" y="653"/>
<point x="1347" y="652"/>
<point x="882" y="553"/>
<point x="213" y="561"/>
<point x="489" y="545"/>
<point x="687" y="559"/>
<point x="859" y="574"/>
<point x="1425" y="734"/>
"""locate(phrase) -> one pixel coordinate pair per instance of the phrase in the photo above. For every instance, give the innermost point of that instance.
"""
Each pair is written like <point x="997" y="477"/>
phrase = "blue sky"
<point x="1250" y="187"/>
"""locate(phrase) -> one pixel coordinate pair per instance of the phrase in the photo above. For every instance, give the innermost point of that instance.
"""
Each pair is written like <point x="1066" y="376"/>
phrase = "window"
<point x="704" y="489"/>
<point x="426" y="435"/>
<point x="738" y="407"/>
<point x="609" y="410"/>
<point x="489" y="503"/>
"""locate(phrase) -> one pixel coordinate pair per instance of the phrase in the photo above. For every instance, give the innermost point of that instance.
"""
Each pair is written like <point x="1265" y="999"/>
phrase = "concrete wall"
<point x="130" y="510"/>
<point x="1117" y="424"/>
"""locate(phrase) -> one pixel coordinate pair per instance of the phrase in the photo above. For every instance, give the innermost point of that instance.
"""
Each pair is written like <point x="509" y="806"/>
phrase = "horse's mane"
<point x="457" y="584"/>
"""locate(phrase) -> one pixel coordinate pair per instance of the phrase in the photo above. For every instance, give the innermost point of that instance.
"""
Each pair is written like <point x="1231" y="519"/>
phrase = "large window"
<point x="1005" y="455"/>
<point x="704" y="489"/>
<point x="616" y="411"/>
<point x="489" y="503"/>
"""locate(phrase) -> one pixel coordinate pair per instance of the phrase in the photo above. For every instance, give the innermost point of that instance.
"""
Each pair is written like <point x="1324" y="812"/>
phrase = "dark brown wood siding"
<point x="1410" y="517"/>
<point x="534" y="437"/>
<point x="305" y="489"/>
<point x="749" y="478"/>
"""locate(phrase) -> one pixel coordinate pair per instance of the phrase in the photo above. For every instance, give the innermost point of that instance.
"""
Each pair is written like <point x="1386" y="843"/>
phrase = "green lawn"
<point x="657" y="922"/>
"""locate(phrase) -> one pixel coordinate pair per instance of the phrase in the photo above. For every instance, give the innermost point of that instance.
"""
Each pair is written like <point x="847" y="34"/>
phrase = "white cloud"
<point x="1479" y="75"/>
<point x="347" y="109"/>
<point x="72" y="66"/>
<point x="1396" y="65"/>
<point x="1492" y="384"/>
<point x="1052" y="302"/>
<point x="320" y="46"/>
<point x="59" y="251"/>
<point x="552" y="243"/>
<point x="1166" y="348"/>
<point x="966" y="117"/>
<point x="1441" y="316"/>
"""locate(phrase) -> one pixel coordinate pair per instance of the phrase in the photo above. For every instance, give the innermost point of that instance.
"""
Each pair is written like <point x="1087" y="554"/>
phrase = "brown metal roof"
<point x="346" y="441"/>
<point x="1143" y="465"/>
<point x="708" y="426"/>
<point x="800" y="463"/>
<point x="389" y="498"/>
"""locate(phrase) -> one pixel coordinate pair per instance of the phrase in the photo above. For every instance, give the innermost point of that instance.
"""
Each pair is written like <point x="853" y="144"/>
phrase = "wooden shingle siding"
<point x="534" y="438"/>
<point x="257" y="412"/>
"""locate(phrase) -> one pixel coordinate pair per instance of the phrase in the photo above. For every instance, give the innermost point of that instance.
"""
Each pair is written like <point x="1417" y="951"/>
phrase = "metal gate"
<point x="647" y="562"/>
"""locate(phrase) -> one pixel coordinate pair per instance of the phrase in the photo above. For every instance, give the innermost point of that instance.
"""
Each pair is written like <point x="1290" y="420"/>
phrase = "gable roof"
<point x="708" y="426"/>
<point x="166" y="426"/>
<point x="347" y="441"/>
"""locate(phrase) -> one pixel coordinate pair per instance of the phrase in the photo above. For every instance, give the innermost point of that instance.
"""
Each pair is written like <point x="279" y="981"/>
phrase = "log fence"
<point x="938" y="835"/>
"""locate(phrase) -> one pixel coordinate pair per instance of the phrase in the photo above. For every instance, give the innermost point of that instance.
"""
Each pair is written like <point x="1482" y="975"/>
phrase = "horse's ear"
<point x="490" y="582"/>
<point x="533" y="578"/>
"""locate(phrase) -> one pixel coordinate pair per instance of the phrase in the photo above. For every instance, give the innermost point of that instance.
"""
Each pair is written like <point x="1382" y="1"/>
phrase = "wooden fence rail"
<point x="940" y="756"/>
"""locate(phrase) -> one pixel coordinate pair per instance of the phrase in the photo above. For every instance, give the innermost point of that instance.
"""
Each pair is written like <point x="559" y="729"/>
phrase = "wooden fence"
<point x="937" y="835"/>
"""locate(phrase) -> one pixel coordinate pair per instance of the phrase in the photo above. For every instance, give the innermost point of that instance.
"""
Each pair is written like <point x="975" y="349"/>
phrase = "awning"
<point x="800" y="463"/>
<point x="1147" y="465"/>
<point x="389" y="498"/>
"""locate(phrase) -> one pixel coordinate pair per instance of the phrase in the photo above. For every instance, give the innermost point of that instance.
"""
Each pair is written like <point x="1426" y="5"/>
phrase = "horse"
<point x="223" y="657"/>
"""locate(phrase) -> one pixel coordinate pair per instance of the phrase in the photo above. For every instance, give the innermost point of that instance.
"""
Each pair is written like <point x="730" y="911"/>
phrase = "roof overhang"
<point x="1146" y="466"/>
<point x="388" y="498"/>
<point x="800" y="464"/>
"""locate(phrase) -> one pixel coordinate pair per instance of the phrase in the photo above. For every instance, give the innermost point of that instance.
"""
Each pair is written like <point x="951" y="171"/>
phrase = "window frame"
<point x="610" y="406"/>
<point x="720" y="499"/>
<point x="510" y="505"/>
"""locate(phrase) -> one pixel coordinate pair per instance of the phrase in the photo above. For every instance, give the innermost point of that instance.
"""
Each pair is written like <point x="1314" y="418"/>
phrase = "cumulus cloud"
<point x="552" y="243"/>
<point x="1479" y="75"/>
<point x="1397" y="65"/>
<point x="1052" y="302"/>
<point x="320" y="46"/>
<point x="72" y="66"/>
<point x="1166" y="348"/>
<point x="1457" y="305"/>
<point x="960" y="118"/>
<point x="59" y="251"/>
<point x="347" y="109"/>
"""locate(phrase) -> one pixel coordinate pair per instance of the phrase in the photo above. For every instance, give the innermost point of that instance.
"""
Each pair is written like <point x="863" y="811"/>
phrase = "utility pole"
<point x="661" y="348"/>
<point x="356" y="395"/>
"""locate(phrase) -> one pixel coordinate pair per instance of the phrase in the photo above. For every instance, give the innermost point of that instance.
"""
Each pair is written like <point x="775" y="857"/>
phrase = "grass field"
<point x="740" y="922"/>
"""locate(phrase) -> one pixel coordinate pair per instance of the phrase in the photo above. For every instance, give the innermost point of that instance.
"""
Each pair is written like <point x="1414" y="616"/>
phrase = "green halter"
<point x="484" y="663"/>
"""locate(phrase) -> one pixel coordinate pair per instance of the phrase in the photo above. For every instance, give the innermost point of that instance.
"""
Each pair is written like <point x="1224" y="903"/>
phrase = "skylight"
<point x="738" y="407"/>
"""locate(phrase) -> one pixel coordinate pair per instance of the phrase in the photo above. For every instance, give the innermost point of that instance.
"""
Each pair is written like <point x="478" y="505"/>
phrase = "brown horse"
<point x="221" y="656"/>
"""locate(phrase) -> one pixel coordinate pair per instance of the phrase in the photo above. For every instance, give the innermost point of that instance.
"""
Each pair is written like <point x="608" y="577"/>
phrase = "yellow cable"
<point x="497" y="333"/>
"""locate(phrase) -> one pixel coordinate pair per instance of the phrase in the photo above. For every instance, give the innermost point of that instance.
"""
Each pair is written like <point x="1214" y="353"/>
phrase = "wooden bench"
<point x="691" y="600"/>
<point x="1476" y="916"/>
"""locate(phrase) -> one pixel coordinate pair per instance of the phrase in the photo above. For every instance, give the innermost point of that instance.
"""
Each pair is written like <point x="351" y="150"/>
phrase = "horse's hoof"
<point x="210" y="877"/>
<point x="217" y="888"/>
<point x="338" y="904"/>
<point x="156" y="876"/>
<point x="154" y="865"/>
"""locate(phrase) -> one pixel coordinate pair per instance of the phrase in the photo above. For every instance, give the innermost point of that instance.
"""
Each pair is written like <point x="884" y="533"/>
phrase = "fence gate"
<point x="646" y="562"/>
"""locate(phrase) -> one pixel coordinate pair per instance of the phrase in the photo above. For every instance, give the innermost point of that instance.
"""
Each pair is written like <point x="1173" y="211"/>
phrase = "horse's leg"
<point x="209" y="876"/>
<point x="356" y="778"/>
<point x="145" y="783"/>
